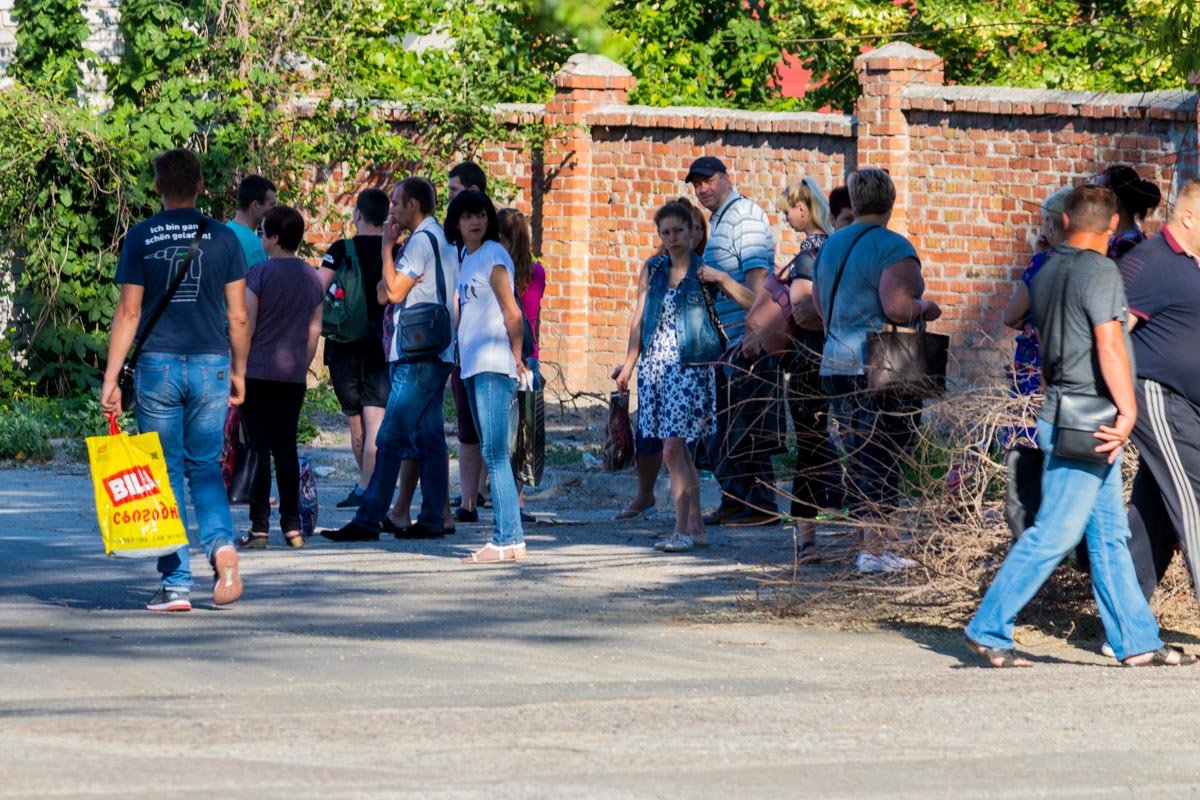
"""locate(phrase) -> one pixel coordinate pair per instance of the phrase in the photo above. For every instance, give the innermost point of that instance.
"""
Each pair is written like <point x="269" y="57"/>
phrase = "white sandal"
<point x="492" y="553"/>
<point x="677" y="543"/>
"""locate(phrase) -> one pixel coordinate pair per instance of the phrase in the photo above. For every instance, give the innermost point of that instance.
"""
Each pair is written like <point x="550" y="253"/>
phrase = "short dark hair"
<point x="471" y="202"/>
<point x="373" y="204"/>
<point x="177" y="173"/>
<point x="421" y="190"/>
<point x="470" y="175"/>
<point x="839" y="201"/>
<point x="253" y="189"/>
<point x="1090" y="208"/>
<point x="286" y="223"/>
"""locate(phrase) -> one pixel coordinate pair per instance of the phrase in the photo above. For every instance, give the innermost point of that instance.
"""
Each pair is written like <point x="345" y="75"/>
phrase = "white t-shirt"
<point x="483" y="344"/>
<point x="418" y="263"/>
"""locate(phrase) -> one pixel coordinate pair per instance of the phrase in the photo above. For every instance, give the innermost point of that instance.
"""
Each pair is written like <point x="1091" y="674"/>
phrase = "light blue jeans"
<point x="1078" y="498"/>
<point x="184" y="399"/>
<point x="492" y="397"/>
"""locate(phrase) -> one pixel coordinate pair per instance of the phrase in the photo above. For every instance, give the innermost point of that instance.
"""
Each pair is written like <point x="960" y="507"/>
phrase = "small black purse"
<point x="424" y="330"/>
<point x="1079" y="417"/>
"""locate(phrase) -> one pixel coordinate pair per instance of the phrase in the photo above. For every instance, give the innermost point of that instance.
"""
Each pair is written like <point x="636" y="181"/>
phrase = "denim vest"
<point x="699" y="340"/>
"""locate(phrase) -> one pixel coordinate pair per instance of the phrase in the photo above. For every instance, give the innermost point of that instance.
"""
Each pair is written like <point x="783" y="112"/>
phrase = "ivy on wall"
<point x="50" y="37"/>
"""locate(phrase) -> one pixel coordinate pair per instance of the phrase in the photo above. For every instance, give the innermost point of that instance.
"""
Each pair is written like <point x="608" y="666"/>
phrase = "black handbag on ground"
<point x="424" y="330"/>
<point x="125" y="378"/>
<point x="1079" y="416"/>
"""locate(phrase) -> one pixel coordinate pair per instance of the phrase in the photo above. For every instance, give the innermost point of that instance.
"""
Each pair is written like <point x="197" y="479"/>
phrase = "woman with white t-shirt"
<point x="490" y="330"/>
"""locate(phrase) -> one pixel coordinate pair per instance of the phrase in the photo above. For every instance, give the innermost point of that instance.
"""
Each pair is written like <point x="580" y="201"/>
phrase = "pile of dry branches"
<point x="950" y="521"/>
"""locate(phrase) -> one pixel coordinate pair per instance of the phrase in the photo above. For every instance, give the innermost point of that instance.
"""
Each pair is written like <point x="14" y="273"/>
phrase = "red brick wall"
<point x="971" y="166"/>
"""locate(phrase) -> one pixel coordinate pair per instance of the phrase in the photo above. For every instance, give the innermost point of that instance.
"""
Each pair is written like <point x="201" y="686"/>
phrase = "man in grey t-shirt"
<point x="1078" y="305"/>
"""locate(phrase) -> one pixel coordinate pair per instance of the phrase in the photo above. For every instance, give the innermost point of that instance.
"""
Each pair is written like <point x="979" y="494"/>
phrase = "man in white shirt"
<point x="426" y="273"/>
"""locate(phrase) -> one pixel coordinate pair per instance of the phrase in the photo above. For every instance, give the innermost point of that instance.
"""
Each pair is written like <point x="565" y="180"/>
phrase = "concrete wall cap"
<point x="595" y="65"/>
<point x="1169" y="99"/>
<point x="902" y="50"/>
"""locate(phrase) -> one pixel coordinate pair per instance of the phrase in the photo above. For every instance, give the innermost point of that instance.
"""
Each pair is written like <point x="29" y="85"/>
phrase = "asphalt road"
<point x="595" y="669"/>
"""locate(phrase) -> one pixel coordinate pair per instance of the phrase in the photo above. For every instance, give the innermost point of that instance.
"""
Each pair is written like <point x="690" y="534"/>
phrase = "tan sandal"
<point x="492" y="553"/>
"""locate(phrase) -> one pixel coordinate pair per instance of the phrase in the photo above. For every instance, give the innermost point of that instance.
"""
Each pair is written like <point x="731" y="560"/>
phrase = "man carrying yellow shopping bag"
<point x="187" y="271"/>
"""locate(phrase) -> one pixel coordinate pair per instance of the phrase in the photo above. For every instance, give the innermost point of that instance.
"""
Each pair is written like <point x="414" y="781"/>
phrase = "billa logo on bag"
<point x="130" y="485"/>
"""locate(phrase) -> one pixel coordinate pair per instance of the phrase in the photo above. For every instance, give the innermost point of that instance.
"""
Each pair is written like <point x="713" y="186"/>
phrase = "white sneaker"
<point x="1107" y="651"/>
<point x="887" y="562"/>
<point x="677" y="543"/>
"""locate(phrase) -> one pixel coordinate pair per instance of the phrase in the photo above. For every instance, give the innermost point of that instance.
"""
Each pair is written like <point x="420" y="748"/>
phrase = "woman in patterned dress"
<point x="676" y="403"/>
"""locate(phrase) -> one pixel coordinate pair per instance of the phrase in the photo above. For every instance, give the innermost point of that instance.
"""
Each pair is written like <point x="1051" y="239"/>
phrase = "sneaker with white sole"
<point x="228" y="586"/>
<point x="885" y="562"/>
<point x="675" y="543"/>
<point x="170" y="599"/>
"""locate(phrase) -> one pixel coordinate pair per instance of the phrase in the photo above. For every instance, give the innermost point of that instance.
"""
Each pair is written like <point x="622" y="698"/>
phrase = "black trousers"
<point x="818" y="478"/>
<point x="1164" y="508"/>
<point x="272" y="414"/>
<point x="741" y="449"/>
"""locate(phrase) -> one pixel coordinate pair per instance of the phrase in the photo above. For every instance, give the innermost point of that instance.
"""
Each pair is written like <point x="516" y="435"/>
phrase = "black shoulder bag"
<point x="125" y="378"/>
<point x="424" y="330"/>
<point x="1079" y="416"/>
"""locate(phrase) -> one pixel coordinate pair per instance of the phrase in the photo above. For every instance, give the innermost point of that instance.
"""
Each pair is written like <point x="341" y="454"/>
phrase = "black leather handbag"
<point x="424" y="330"/>
<point x="908" y="361"/>
<point x="1079" y="417"/>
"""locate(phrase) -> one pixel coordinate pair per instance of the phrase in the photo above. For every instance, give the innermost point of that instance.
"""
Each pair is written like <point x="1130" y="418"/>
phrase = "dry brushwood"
<point x="950" y="521"/>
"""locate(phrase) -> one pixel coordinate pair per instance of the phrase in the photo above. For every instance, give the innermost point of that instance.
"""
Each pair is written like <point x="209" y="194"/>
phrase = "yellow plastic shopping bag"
<point x="139" y="517"/>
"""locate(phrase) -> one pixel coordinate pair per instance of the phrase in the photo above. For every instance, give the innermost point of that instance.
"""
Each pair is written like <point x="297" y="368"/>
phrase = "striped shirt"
<point x="740" y="242"/>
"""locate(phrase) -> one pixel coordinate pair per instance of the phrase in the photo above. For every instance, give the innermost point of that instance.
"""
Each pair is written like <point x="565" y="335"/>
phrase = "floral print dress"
<point x="673" y="400"/>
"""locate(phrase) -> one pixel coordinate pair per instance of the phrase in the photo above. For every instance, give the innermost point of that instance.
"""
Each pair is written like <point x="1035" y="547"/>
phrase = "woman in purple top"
<point x="530" y="279"/>
<point x="283" y="297"/>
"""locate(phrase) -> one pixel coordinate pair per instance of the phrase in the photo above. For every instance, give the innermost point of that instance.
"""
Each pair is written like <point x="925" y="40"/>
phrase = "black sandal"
<point x="806" y="553"/>
<point x="1162" y="658"/>
<point x="252" y="541"/>
<point x="996" y="657"/>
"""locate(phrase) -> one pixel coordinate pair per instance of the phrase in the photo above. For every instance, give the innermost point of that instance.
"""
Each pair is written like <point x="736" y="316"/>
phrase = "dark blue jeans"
<point x="413" y="419"/>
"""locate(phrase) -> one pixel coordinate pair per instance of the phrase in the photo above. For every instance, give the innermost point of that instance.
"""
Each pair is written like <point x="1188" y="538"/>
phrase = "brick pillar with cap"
<point x="883" y="137"/>
<point x="585" y="83"/>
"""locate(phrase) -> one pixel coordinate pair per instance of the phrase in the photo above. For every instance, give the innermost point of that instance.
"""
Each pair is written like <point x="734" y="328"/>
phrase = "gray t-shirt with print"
<point x="1074" y="292"/>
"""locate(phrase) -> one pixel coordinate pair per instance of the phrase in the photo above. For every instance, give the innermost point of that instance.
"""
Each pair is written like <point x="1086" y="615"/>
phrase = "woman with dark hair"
<point x="676" y="399"/>
<point x="650" y="450"/>
<point x="490" y="331"/>
<point x="841" y="212"/>
<point x="283" y="296"/>
<point x="1136" y="198"/>
<point x="530" y="279"/>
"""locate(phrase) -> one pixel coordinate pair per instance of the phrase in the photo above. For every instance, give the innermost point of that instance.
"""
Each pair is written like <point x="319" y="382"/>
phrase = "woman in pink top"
<point x="531" y="286"/>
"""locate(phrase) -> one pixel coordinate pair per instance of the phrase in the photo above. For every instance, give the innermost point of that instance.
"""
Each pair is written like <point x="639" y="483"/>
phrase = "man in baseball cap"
<point x="705" y="167"/>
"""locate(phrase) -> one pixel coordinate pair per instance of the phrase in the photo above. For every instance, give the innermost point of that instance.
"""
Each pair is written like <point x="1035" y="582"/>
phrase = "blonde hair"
<point x="808" y="192"/>
<point x="1052" y="211"/>
<point x="1189" y="192"/>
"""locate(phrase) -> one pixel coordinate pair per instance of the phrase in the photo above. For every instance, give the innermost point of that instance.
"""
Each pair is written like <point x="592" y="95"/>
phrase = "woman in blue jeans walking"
<point x="490" y="330"/>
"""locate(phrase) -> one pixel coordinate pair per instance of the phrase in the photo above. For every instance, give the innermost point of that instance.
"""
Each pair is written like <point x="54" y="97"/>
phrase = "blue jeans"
<point x="491" y="396"/>
<point x="1078" y="498"/>
<point x="184" y="399"/>
<point x="413" y="427"/>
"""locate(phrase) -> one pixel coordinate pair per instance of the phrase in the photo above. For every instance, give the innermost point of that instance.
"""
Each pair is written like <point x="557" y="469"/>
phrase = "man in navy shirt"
<point x="190" y="368"/>
<point x="1162" y="282"/>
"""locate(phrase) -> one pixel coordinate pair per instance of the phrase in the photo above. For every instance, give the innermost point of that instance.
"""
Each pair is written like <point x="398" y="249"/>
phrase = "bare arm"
<point x="511" y="311"/>
<point x="394" y="286"/>
<point x="124" y="329"/>
<point x="742" y="295"/>
<point x="239" y="338"/>
<point x="624" y="371"/>
<point x="314" y="333"/>
<point x="1017" y="309"/>
<point x="804" y="305"/>
<point x="1115" y="369"/>
<point x="900" y="290"/>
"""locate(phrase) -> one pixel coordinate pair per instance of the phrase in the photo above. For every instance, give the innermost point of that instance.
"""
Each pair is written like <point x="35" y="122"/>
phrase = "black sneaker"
<point x="353" y="500"/>
<point x="166" y="599"/>
<point x="462" y="515"/>
<point x="350" y="532"/>
<point x="527" y="517"/>
<point x="419" y="531"/>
